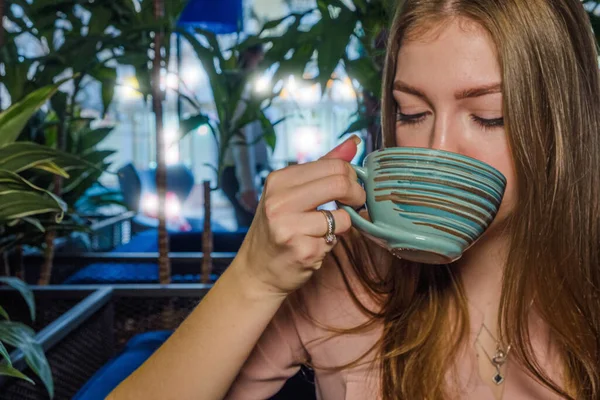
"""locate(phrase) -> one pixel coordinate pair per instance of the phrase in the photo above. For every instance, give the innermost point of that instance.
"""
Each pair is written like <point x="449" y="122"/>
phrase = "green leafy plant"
<point x="340" y="26"/>
<point x="227" y="82"/>
<point x="77" y="45"/>
<point x="23" y="203"/>
<point x="20" y="336"/>
<point x="22" y="199"/>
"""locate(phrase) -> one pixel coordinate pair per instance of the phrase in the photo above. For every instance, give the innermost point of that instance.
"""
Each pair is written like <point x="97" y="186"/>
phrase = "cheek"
<point x="510" y="193"/>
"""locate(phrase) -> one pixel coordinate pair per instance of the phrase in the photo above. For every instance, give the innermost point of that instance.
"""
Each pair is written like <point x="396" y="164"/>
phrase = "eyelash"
<point x="415" y="119"/>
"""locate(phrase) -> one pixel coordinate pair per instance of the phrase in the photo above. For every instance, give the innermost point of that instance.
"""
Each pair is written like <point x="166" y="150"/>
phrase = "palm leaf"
<point x="20" y="204"/>
<point x="23" y="338"/>
<point x="22" y="287"/>
<point x="14" y="119"/>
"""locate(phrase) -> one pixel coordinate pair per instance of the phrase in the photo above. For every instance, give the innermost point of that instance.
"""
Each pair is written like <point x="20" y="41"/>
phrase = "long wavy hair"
<point x="551" y="103"/>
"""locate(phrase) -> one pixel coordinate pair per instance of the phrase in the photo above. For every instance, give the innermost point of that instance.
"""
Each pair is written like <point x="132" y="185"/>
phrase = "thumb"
<point x="346" y="150"/>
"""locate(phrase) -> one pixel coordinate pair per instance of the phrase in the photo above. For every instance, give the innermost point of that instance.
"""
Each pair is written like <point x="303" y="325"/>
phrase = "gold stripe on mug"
<point x="472" y="190"/>
<point x="482" y="204"/>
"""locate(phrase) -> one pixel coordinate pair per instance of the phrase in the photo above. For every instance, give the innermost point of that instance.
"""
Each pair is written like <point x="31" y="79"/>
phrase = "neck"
<point x="481" y="270"/>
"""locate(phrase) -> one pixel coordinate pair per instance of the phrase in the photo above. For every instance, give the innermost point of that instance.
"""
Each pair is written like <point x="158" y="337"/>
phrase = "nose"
<point x="445" y="134"/>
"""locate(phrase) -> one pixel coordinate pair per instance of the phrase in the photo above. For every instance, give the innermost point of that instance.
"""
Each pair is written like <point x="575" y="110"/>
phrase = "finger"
<point x="315" y="193"/>
<point x="333" y="163"/>
<point x="346" y="150"/>
<point x="315" y="223"/>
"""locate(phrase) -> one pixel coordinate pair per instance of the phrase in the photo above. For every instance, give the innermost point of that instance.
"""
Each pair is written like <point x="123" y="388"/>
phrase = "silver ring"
<point x="330" y="235"/>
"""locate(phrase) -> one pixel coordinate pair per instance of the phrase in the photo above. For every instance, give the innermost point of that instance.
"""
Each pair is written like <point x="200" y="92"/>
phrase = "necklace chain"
<point x="500" y="356"/>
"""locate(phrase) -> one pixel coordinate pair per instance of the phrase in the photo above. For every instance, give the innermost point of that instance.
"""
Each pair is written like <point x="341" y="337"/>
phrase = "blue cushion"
<point x="106" y="273"/>
<point x="135" y="353"/>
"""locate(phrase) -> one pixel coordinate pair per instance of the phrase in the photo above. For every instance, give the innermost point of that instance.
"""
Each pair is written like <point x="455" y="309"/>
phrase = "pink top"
<point x="291" y="339"/>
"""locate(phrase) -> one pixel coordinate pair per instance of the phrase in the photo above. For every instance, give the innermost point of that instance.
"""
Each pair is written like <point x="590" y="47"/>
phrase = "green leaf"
<point x="15" y="79"/>
<point x="9" y="370"/>
<point x="35" y="223"/>
<point x="3" y="350"/>
<point x="22" y="287"/>
<point x="51" y="168"/>
<point x="14" y="119"/>
<point x="212" y="41"/>
<point x="23" y="337"/>
<point x="218" y="82"/>
<point x="89" y="138"/>
<point x="20" y="156"/>
<point x="132" y="58"/>
<point x="13" y="183"/>
<point x="88" y="176"/>
<point x="108" y="78"/>
<point x="296" y="64"/>
<point x="92" y="202"/>
<point x="361" y="5"/>
<point x="144" y="80"/>
<point x="189" y="124"/>
<point x="335" y="39"/>
<point x="275" y="23"/>
<point x="99" y="20"/>
<point x="269" y="134"/>
<point x="21" y="204"/>
<point x="366" y="73"/>
<point x="4" y="315"/>
<point x="59" y="104"/>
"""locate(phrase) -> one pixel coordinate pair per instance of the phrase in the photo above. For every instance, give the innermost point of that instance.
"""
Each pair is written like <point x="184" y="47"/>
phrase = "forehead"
<point x="453" y="53"/>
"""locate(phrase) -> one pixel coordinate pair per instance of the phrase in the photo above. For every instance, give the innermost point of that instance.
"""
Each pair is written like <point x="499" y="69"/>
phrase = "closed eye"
<point x="488" y="123"/>
<point x="410" y="119"/>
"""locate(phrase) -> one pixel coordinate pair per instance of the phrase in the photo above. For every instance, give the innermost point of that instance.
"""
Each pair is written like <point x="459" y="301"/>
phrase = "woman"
<point x="513" y="83"/>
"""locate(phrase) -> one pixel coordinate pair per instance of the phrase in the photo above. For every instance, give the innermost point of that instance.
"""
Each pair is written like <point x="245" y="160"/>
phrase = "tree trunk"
<point x="207" y="238"/>
<point x="164" y="265"/>
<point x="46" y="271"/>
<point x="20" y="271"/>
<point x="47" y="266"/>
<point x="5" y="264"/>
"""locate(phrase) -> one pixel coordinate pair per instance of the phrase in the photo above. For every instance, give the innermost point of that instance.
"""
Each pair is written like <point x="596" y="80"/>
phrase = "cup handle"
<point x="360" y="222"/>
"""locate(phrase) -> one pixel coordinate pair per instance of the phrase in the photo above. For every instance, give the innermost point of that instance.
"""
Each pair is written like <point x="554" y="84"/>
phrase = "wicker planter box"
<point x="81" y="328"/>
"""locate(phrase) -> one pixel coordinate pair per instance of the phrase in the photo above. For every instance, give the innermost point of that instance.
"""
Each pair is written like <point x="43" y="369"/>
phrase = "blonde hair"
<point x="551" y="95"/>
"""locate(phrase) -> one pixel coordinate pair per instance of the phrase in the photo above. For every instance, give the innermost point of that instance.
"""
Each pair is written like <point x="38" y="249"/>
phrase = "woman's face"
<point x="448" y="94"/>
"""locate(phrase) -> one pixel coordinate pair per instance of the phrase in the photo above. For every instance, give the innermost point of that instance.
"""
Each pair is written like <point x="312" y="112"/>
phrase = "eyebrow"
<point x="459" y="95"/>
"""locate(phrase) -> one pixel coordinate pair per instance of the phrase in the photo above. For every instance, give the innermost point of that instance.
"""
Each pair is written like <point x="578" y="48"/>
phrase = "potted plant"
<point x="23" y="201"/>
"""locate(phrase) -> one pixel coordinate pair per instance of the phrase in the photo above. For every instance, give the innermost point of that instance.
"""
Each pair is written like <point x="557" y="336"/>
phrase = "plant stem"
<point x="5" y="264"/>
<point x="46" y="270"/>
<point x="207" y="238"/>
<point x="164" y="265"/>
<point x="20" y="272"/>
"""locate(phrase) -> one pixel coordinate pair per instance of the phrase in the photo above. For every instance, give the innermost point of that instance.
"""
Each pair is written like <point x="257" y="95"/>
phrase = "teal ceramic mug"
<point x="427" y="205"/>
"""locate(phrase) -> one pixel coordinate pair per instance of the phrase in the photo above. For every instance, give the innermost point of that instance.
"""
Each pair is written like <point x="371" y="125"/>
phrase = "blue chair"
<point x="137" y="350"/>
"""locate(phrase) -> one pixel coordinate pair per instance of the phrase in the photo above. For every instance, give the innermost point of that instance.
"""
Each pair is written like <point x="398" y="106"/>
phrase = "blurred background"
<point x="310" y="98"/>
<point x="135" y="140"/>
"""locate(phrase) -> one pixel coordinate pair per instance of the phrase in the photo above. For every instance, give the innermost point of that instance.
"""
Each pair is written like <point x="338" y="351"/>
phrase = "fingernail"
<point x="355" y="139"/>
